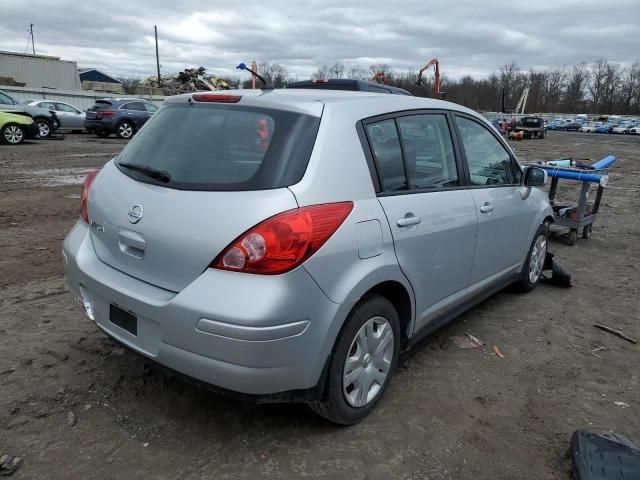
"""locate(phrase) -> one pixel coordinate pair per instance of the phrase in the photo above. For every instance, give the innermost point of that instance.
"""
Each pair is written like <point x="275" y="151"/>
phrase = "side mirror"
<point x="535" y="177"/>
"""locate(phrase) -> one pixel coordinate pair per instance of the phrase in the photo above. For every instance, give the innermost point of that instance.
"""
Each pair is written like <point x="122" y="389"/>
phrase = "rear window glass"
<point x="223" y="147"/>
<point x="101" y="104"/>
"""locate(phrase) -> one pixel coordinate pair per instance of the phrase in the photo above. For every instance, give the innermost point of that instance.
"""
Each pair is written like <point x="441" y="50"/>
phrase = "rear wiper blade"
<point x="150" y="172"/>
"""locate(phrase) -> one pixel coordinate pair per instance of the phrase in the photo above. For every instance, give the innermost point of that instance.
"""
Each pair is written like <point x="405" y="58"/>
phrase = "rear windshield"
<point x="222" y="147"/>
<point x="102" y="104"/>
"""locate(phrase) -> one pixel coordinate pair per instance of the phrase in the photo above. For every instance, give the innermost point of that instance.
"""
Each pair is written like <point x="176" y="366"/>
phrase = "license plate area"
<point x="123" y="319"/>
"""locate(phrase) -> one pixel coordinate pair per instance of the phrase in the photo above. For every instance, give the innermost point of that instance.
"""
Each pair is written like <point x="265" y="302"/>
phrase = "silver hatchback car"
<point x="287" y="245"/>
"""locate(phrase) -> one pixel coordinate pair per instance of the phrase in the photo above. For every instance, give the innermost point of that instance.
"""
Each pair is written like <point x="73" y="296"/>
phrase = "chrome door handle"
<point x="408" y="221"/>
<point x="486" y="208"/>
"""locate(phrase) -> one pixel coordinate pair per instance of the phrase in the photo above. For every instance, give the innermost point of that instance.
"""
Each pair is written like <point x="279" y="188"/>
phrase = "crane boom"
<point x="436" y="65"/>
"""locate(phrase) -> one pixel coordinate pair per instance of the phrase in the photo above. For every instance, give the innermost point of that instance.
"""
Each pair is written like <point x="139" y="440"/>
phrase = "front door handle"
<point x="408" y="220"/>
<point x="486" y="208"/>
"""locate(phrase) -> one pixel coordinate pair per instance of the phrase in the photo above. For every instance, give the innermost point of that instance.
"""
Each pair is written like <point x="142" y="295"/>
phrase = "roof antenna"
<point x="243" y="66"/>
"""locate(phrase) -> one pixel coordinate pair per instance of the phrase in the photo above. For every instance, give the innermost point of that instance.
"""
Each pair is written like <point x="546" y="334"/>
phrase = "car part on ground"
<point x="603" y="456"/>
<point x="325" y="232"/>
<point x="46" y="120"/>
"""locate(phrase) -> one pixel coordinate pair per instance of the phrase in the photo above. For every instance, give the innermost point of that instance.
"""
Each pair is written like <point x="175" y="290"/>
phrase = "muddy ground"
<point x="448" y="414"/>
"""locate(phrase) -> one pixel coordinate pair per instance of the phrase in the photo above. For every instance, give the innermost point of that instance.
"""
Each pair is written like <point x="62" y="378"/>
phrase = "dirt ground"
<point x="76" y="406"/>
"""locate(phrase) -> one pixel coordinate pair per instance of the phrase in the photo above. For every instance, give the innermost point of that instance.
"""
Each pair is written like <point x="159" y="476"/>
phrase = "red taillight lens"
<point x="283" y="242"/>
<point x="84" y="195"/>
<point x="214" y="97"/>
<point x="106" y="113"/>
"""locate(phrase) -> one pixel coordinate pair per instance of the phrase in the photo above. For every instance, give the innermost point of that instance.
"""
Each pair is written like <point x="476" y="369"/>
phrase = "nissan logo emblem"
<point x="135" y="213"/>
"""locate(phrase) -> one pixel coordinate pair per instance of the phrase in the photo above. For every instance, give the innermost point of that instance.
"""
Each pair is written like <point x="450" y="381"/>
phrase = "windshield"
<point x="222" y="147"/>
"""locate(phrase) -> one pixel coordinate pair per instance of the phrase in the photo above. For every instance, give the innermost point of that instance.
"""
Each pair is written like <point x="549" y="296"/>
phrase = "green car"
<point x="15" y="128"/>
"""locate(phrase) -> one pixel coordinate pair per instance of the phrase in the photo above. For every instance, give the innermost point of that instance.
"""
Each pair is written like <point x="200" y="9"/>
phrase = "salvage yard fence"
<point x="82" y="99"/>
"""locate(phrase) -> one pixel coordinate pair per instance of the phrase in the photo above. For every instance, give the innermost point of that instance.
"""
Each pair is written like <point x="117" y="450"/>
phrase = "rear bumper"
<point x="257" y="335"/>
<point x="102" y="124"/>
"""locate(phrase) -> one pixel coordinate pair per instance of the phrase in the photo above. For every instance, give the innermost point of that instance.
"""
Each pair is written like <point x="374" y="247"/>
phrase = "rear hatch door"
<point x="224" y="169"/>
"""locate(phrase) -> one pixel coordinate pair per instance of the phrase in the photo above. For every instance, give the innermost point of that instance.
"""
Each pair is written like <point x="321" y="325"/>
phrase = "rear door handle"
<point x="408" y="220"/>
<point x="486" y="208"/>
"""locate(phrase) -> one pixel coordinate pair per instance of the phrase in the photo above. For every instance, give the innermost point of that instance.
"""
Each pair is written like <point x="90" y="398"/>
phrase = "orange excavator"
<point x="435" y="63"/>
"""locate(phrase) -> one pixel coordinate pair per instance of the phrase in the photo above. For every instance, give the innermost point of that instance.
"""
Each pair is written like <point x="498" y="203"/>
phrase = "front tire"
<point x="533" y="265"/>
<point x="364" y="358"/>
<point x="12" y="134"/>
<point x="45" y="127"/>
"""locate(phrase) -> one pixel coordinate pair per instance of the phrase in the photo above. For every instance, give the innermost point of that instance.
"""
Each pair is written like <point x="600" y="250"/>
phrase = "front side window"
<point x="151" y="108"/>
<point x="63" y="107"/>
<point x="384" y="141"/>
<point x="428" y="151"/>
<point x="489" y="162"/>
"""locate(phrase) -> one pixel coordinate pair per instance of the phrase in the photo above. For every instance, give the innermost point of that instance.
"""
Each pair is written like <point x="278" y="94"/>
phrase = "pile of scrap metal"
<point x="189" y="80"/>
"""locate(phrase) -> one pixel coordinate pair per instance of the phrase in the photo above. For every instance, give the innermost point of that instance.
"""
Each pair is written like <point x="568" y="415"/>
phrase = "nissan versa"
<point x="288" y="245"/>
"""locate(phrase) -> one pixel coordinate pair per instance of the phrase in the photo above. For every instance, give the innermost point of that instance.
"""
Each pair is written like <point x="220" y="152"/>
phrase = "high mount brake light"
<point x="84" y="194"/>
<point x="281" y="243"/>
<point x="216" y="98"/>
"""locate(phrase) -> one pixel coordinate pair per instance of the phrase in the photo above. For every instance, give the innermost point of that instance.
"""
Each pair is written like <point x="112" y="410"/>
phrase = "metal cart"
<point x="578" y="217"/>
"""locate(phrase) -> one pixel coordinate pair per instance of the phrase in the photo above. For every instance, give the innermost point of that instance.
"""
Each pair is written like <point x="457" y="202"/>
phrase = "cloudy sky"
<point x="468" y="36"/>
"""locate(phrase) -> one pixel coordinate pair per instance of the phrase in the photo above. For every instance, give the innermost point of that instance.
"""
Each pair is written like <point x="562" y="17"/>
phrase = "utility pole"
<point x="155" y="27"/>
<point x="33" y="42"/>
<point x="254" y="67"/>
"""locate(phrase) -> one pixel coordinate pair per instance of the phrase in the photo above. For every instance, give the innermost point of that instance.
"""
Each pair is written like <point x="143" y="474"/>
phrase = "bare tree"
<point x="576" y="84"/>
<point x="358" y="73"/>
<point x="630" y="87"/>
<point x="336" y="70"/>
<point x="322" y="73"/>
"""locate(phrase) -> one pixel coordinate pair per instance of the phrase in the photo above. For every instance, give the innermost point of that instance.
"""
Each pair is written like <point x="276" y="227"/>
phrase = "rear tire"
<point x="12" y="134"/>
<point x="363" y="360"/>
<point x="125" y="130"/>
<point x="534" y="263"/>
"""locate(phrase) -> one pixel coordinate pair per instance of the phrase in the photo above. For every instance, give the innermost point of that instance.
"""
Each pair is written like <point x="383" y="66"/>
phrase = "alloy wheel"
<point x="368" y="362"/>
<point x="43" y="127"/>
<point x="13" y="134"/>
<point x="538" y="254"/>
<point x="125" y="130"/>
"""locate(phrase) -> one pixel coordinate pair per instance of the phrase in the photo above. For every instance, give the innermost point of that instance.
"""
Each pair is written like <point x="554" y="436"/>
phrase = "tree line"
<point x="600" y="87"/>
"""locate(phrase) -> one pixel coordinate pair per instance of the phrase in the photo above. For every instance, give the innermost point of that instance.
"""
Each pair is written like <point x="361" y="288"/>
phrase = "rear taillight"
<point x="106" y="113"/>
<point x="283" y="242"/>
<point x="216" y="98"/>
<point x="84" y="195"/>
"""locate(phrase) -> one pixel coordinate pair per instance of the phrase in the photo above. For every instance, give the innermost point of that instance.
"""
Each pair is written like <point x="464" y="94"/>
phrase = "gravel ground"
<point x="74" y="405"/>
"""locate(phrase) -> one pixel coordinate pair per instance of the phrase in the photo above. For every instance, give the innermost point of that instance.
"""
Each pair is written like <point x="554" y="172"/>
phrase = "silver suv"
<point x="288" y="245"/>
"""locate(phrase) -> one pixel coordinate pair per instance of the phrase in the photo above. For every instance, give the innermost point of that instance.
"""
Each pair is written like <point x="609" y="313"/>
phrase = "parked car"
<point x="71" y="118"/>
<point x="289" y="245"/>
<point x="604" y="128"/>
<point x="588" y="127"/>
<point x="568" y="126"/>
<point x="635" y="130"/>
<point x="122" y="116"/>
<point x="623" y="128"/>
<point x="349" y="84"/>
<point x="46" y="120"/>
<point x="16" y="127"/>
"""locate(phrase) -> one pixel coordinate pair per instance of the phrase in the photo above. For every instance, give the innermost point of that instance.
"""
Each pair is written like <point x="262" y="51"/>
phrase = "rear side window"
<point x="137" y="106"/>
<point x="383" y="137"/>
<point x="5" y="100"/>
<point x="428" y="151"/>
<point x="489" y="162"/>
<point x="223" y="147"/>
